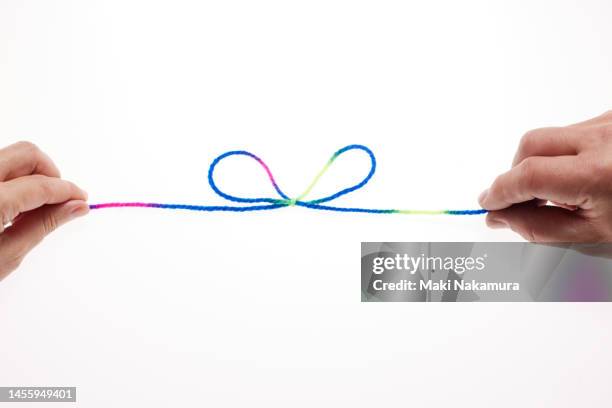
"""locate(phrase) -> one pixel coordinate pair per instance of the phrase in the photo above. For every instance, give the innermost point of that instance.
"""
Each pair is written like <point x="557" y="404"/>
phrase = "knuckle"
<point x="27" y="146"/>
<point x="528" y="139"/>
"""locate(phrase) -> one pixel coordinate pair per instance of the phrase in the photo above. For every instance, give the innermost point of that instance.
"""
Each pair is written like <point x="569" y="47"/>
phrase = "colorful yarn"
<point x="265" y="203"/>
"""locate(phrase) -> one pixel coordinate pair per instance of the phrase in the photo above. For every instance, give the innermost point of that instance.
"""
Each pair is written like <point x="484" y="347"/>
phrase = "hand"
<point x="559" y="188"/>
<point x="34" y="200"/>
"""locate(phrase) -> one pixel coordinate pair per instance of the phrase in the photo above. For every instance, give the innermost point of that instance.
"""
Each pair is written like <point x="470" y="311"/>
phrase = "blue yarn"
<point x="269" y="203"/>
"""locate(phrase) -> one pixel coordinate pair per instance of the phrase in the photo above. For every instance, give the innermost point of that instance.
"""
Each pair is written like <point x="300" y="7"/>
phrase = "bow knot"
<point x="269" y="203"/>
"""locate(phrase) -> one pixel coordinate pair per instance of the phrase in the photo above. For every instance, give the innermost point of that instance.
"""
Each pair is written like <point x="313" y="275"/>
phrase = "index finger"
<point x="559" y="179"/>
<point x="550" y="141"/>
<point x="23" y="159"/>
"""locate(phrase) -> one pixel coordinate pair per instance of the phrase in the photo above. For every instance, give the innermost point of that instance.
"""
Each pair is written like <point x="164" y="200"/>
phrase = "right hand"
<point x="569" y="167"/>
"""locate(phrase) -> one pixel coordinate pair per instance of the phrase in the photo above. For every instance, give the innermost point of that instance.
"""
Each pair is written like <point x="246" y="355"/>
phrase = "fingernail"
<point x="483" y="196"/>
<point x="79" y="209"/>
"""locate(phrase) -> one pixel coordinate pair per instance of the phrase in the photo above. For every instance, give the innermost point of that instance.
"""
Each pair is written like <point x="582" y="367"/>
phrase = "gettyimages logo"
<point x="412" y="264"/>
<point x="483" y="272"/>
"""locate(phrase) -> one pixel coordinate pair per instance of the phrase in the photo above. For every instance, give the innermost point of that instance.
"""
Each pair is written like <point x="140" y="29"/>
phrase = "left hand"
<point x="34" y="201"/>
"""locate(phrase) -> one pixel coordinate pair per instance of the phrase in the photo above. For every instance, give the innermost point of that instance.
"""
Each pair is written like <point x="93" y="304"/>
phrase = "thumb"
<point x="537" y="223"/>
<point x="31" y="227"/>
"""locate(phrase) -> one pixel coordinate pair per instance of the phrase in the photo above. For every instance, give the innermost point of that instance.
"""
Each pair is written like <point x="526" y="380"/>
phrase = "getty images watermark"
<point x="412" y="264"/>
<point x="484" y="271"/>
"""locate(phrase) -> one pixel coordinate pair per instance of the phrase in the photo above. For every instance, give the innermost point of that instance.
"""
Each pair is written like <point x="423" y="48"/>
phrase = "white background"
<point x="157" y="308"/>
